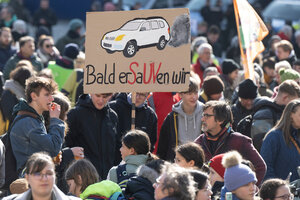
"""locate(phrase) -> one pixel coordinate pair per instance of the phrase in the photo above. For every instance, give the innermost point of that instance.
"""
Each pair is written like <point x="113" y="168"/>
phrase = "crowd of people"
<point x="225" y="137"/>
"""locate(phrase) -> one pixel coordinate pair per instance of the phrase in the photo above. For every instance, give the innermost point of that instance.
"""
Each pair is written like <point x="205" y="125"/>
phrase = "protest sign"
<point x="141" y="51"/>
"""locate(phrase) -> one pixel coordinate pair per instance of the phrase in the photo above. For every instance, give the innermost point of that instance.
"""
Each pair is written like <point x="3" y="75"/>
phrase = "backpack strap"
<point x="121" y="172"/>
<point x="115" y="196"/>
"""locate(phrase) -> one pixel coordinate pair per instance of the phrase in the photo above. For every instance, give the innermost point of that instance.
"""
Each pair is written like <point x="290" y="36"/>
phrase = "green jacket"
<point x="12" y="62"/>
<point x="60" y="74"/>
<point x="104" y="188"/>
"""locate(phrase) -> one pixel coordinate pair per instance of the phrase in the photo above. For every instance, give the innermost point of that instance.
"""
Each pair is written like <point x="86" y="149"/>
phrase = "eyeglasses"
<point x="49" y="45"/>
<point x="205" y="115"/>
<point x="285" y="197"/>
<point x="39" y="175"/>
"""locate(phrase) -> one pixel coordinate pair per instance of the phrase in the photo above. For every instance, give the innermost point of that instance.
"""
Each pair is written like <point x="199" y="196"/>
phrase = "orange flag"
<point x="251" y="31"/>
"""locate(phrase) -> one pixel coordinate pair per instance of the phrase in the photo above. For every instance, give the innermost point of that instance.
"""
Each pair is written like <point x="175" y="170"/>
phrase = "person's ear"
<point x="33" y="95"/>
<point x="79" y="180"/>
<point x="132" y="151"/>
<point x="191" y="163"/>
<point x="26" y="177"/>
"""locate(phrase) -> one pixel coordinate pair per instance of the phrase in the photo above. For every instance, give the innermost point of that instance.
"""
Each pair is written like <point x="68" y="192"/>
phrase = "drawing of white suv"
<point x="137" y="33"/>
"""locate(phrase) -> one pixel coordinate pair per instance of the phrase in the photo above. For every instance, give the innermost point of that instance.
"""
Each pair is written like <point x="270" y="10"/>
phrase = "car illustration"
<point x="137" y="33"/>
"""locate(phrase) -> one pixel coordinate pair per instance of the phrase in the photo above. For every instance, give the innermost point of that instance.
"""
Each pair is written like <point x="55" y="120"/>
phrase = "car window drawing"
<point x="136" y="34"/>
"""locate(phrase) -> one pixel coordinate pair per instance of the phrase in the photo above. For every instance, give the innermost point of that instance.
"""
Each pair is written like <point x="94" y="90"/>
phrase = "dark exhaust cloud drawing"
<point x="180" y="31"/>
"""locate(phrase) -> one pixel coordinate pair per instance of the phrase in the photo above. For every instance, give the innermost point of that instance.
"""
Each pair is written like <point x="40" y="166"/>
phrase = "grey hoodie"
<point x="189" y="126"/>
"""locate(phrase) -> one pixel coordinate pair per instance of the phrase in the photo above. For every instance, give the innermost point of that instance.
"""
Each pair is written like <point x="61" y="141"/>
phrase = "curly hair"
<point x="178" y="182"/>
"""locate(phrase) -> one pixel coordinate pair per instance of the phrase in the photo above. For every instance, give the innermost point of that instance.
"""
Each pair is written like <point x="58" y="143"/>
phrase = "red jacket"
<point x="235" y="141"/>
<point x="198" y="69"/>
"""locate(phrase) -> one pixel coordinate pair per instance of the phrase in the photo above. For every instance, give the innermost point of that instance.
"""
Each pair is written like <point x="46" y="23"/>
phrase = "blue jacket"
<point x="29" y="135"/>
<point x="280" y="158"/>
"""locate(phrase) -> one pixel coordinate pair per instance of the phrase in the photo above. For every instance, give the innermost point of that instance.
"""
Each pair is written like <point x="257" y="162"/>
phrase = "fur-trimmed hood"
<point x="148" y="173"/>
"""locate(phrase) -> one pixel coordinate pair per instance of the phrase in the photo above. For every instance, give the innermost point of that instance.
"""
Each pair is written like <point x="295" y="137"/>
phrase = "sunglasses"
<point x="49" y="45"/>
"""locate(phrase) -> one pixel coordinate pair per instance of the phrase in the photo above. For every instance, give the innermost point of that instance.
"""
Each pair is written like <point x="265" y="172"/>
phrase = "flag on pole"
<point x="251" y="31"/>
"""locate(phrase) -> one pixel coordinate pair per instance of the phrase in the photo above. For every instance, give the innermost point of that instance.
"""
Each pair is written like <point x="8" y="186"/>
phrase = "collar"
<point x="226" y="129"/>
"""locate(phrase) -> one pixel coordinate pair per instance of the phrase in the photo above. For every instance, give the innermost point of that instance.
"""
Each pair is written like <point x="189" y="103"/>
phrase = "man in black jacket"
<point x="93" y="125"/>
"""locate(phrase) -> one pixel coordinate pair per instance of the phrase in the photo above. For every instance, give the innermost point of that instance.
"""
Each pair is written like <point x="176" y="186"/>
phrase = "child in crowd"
<point x="275" y="189"/>
<point x="80" y="175"/>
<point x="190" y="155"/>
<point x="239" y="179"/>
<point x="135" y="151"/>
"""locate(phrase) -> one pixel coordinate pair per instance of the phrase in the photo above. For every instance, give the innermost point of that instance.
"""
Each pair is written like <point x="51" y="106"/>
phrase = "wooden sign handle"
<point x="133" y="100"/>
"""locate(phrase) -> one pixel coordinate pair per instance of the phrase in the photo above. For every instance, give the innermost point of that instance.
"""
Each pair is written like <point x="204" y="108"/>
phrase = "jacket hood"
<point x="85" y="100"/>
<point x="262" y="101"/>
<point x="23" y="106"/>
<point x="126" y="99"/>
<point x="15" y="87"/>
<point x="178" y="108"/>
<point x="147" y="173"/>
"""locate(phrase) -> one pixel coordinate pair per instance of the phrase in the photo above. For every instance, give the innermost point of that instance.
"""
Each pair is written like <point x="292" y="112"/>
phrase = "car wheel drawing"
<point x="161" y="43"/>
<point x="130" y="49"/>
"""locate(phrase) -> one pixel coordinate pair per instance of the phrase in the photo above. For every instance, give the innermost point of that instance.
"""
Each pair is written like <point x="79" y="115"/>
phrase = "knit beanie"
<point x="288" y="74"/>
<point x="247" y="89"/>
<point x="229" y="66"/>
<point x="236" y="173"/>
<point x="216" y="164"/>
<point x="71" y="51"/>
<point x="75" y="24"/>
<point x="213" y="85"/>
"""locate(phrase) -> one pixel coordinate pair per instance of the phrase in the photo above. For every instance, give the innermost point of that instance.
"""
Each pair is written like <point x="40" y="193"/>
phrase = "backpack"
<point x="123" y="176"/>
<point x="245" y="124"/>
<point x="114" y="196"/>
<point x="11" y="173"/>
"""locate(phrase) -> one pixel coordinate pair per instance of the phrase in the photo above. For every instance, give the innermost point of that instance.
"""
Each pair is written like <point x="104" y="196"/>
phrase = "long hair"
<point x="285" y="122"/>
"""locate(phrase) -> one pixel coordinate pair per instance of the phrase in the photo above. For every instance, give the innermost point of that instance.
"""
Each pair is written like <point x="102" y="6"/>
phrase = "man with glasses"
<point x="218" y="136"/>
<point x="145" y="117"/>
<point x="183" y="124"/>
<point x="93" y="125"/>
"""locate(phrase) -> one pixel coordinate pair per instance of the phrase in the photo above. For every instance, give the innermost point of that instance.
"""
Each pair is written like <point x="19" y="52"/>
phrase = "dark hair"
<point x="213" y="30"/>
<point x="35" y="84"/>
<point x="269" y="63"/>
<point x="200" y="178"/>
<point x="86" y="170"/>
<point x="37" y="162"/>
<point x="138" y="140"/>
<point x="222" y="111"/>
<point x="192" y="151"/>
<point x="21" y="74"/>
<point x="269" y="188"/>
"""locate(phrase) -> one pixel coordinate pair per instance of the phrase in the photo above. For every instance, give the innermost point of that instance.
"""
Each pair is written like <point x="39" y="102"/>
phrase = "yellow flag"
<point x="251" y="31"/>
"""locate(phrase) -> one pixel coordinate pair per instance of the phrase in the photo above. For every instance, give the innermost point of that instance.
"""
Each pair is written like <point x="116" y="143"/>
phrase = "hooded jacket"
<point x="178" y="128"/>
<point x="100" y="139"/>
<point x="140" y="187"/>
<point x="132" y="163"/>
<point x="29" y="135"/>
<point x="145" y="117"/>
